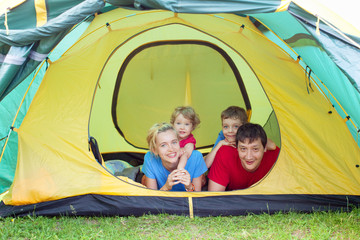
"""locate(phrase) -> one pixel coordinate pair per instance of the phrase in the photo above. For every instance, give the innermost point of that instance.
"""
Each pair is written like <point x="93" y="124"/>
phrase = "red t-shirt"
<point x="227" y="170"/>
<point x="189" y="139"/>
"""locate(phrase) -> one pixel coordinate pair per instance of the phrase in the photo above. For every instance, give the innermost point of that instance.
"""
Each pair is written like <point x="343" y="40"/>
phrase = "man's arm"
<point x="218" y="175"/>
<point x="215" y="187"/>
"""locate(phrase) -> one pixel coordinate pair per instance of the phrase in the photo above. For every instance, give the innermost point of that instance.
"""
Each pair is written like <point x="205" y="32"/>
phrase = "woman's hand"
<point x="171" y="181"/>
<point x="184" y="178"/>
<point x="177" y="176"/>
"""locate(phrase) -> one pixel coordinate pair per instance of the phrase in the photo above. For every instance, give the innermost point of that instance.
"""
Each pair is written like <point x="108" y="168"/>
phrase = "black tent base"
<point x="109" y="205"/>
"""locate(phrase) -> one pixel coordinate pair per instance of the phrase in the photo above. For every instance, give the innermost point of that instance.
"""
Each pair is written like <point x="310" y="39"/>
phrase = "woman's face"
<point x="167" y="147"/>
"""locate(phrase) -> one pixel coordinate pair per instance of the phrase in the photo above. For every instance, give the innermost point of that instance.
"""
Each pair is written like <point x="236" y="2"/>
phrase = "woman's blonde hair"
<point x="188" y="112"/>
<point x="155" y="130"/>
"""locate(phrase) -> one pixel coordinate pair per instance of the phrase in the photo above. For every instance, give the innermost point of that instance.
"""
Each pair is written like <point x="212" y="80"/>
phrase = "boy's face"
<point x="251" y="154"/>
<point x="183" y="126"/>
<point x="230" y="127"/>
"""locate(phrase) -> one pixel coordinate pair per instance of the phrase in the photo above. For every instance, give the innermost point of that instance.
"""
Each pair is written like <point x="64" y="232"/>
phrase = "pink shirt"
<point x="189" y="139"/>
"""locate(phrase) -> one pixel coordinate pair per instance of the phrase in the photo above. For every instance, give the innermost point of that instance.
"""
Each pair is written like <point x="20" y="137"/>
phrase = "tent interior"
<point x="158" y="76"/>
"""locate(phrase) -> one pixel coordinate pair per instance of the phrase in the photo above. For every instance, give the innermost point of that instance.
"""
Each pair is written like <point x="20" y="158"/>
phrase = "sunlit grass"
<point x="318" y="225"/>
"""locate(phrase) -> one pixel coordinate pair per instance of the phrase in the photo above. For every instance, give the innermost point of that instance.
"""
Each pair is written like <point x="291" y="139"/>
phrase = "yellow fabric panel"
<point x="2" y="195"/>
<point x="283" y="80"/>
<point x="118" y="20"/>
<point x="318" y="154"/>
<point x="313" y="146"/>
<point x="41" y="12"/>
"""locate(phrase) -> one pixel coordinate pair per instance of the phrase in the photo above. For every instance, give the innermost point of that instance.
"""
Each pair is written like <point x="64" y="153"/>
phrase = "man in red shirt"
<point x="241" y="167"/>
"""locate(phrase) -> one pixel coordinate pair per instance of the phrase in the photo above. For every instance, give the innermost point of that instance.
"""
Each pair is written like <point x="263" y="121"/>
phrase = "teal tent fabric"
<point x="23" y="46"/>
<point x="344" y="51"/>
<point x="204" y="6"/>
<point x="11" y="102"/>
<point x="331" y="57"/>
<point x="8" y="110"/>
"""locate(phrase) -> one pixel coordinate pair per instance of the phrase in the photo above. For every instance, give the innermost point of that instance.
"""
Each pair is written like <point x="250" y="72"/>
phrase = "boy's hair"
<point x="252" y="132"/>
<point x="155" y="130"/>
<point x="188" y="112"/>
<point x="236" y="113"/>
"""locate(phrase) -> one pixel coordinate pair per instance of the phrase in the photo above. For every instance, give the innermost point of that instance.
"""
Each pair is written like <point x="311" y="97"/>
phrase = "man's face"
<point x="251" y="154"/>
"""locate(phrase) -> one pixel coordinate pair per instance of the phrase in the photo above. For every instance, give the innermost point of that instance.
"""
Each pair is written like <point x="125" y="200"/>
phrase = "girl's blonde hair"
<point x="155" y="130"/>
<point x="188" y="112"/>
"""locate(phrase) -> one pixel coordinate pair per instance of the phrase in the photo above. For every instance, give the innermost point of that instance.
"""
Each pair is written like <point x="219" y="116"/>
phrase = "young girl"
<point x="185" y="120"/>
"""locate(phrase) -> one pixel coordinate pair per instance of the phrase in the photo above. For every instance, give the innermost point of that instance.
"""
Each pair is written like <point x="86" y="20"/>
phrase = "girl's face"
<point x="167" y="147"/>
<point x="183" y="126"/>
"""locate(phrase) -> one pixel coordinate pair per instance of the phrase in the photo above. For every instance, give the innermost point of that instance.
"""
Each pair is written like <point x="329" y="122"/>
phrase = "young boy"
<point x="231" y="119"/>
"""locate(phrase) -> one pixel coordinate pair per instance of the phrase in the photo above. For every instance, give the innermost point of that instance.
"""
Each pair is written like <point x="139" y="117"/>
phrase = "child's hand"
<point x="225" y="142"/>
<point x="270" y="145"/>
<point x="181" y="152"/>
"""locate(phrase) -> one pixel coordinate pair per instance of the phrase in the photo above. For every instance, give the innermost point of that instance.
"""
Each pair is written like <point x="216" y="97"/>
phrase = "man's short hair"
<point x="252" y="132"/>
<point x="235" y="112"/>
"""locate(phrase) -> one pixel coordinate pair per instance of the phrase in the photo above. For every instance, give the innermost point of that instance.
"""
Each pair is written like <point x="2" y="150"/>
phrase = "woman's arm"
<point x="197" y="183"/>
<point x="150" y="183"/>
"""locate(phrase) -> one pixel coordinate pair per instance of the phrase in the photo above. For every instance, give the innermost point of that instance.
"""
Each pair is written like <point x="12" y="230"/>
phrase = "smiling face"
<point x="251" y="154"/>
<point x="230" y="127"/>
<point x="183" y="126"/>
<point x="167" y="147"/>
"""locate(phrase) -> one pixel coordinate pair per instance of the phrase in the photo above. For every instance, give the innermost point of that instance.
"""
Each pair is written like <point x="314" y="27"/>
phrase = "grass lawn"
<point x="319" y="225"/>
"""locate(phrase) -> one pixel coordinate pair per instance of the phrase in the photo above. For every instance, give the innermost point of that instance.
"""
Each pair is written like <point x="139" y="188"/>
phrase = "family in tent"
<point x="238" y="159"/>
<point x="83" y="81"/>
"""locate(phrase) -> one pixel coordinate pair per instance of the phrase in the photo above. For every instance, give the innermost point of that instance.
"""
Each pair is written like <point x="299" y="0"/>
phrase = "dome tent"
<point x="128" y="70"/>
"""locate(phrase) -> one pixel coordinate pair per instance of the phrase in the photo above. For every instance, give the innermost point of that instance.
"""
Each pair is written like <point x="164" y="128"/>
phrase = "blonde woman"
<point x="161" y="162"/>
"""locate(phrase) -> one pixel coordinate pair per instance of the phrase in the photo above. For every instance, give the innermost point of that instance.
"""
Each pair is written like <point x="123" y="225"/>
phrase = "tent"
<point x="116" y="73"/>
